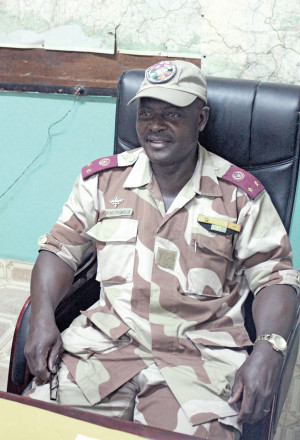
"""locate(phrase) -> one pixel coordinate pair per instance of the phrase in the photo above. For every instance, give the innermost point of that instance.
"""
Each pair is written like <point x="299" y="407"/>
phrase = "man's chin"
<point x="156" y="152"/>
<point x="161" y="160"/>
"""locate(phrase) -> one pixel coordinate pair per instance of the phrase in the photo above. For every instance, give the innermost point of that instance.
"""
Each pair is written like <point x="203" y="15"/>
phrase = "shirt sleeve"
<point x="263" y="250"/>
<point x="68" y="238"/>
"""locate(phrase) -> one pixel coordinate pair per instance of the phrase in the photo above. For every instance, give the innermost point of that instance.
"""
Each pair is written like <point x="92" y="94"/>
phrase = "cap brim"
<point x="175" y="97"/>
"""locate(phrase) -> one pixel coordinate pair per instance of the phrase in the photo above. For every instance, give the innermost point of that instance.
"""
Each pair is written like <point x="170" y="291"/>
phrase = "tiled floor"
<point x="14" y="290"/>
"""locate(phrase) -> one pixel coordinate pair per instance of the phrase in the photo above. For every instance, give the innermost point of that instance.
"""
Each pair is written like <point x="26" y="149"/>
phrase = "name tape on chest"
<point x="124" y="212"/>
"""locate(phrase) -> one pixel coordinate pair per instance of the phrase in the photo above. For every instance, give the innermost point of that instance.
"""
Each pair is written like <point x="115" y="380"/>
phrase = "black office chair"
<point x="253" y="124"/>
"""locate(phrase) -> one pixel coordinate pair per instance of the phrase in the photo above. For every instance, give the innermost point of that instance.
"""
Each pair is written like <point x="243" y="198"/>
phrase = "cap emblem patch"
<point x="161" y="72"/>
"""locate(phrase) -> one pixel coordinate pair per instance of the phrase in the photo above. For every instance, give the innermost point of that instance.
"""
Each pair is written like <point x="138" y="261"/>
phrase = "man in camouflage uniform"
<point x="182" y="236"/>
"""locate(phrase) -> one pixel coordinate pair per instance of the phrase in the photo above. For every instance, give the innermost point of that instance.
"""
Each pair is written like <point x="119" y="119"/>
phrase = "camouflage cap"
<point x="177" y="82"/>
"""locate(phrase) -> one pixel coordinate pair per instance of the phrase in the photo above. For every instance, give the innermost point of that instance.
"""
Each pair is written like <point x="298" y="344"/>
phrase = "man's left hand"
<point x="256" y="382"/>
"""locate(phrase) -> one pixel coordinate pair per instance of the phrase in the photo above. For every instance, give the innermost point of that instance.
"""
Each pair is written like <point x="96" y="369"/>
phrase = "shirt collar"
<point x="204" y="180"/>
<point x="141" y="173"/>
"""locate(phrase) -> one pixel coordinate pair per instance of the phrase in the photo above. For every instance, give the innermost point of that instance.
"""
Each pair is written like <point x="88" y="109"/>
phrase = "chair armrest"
<point x="84" y="292"/>
<point x="18" y="373"/>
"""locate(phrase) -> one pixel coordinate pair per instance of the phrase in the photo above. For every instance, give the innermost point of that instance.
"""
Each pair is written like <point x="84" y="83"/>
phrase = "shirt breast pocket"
<point x="208" y="263"/>
<point x="116" y="243"/>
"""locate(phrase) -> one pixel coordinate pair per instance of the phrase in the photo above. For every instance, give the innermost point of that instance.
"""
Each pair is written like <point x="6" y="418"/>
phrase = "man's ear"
<point x="203" y="117"/>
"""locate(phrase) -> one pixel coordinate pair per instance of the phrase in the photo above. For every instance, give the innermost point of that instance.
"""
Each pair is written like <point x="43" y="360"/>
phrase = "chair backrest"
<point x="253" y="124"/>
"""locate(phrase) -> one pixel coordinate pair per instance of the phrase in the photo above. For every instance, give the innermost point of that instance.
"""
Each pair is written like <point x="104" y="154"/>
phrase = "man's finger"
<point x="260" y="410"/>
<point x="237" y="392"/>
<point x="40" y="369"/>
<point x="54" y="355"/>
<point x="247" y="407"/>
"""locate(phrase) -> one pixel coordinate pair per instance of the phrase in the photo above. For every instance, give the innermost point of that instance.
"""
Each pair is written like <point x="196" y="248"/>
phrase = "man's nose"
<point x="157" y="122"/>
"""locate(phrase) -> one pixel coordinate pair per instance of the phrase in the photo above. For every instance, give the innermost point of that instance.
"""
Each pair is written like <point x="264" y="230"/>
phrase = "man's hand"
<point x="42" y="347"/>
<point x="51" y="280"/>
<point x="256" y="382"/>
<point x="274" y="311"/>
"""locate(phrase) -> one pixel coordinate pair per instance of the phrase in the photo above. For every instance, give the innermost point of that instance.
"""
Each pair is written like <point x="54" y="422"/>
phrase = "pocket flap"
<point x="236" y="336"/>
<point x="219" y="244"/>
<point x="124" y="230"/>
<point x="108" y="322"/>
<point x="82" y="340"/>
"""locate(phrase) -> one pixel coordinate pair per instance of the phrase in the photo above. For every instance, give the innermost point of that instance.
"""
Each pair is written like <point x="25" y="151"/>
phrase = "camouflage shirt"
<point x="173" y="283"/>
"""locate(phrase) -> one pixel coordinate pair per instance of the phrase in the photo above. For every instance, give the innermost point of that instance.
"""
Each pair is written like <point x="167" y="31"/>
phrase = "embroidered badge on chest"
<point x="116" y="201"/>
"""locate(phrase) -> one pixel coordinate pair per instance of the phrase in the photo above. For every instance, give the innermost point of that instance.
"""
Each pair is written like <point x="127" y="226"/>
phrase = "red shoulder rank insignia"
<point x="244" y="180"/>
<point x="104" y="163"/>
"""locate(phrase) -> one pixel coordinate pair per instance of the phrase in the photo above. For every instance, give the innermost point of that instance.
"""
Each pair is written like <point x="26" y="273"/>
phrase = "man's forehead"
<point x="157" y="103"/>
<point x="153" y="103"/>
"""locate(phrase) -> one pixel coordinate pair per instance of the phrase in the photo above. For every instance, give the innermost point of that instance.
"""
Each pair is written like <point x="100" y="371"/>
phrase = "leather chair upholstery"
<point x="254" y="125"/>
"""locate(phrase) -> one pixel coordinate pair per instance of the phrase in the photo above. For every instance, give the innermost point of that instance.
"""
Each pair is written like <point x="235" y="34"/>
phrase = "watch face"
<point x="280" y="342"/>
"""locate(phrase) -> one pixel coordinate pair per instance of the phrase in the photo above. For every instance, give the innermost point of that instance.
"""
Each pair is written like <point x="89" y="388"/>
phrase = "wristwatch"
<point x="278" y="342"/>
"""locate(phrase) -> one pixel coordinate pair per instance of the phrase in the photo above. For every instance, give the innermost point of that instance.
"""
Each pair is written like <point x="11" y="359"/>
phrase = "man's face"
<point x="169" y="134"/>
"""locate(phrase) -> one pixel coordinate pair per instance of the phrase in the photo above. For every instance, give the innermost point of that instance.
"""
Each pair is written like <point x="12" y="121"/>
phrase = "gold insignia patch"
<point x="219" y="225"/>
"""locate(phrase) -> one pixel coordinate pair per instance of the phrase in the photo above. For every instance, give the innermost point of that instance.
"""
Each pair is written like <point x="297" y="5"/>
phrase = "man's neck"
<point x="172" y="178"/>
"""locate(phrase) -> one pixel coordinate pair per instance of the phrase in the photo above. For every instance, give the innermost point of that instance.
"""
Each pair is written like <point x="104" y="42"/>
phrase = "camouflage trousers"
<point x="145" y="399"/>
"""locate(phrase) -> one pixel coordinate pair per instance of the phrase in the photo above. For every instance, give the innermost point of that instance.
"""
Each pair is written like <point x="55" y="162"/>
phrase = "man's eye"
<point x="172" y="115"/>
<point x="144" y="114"/>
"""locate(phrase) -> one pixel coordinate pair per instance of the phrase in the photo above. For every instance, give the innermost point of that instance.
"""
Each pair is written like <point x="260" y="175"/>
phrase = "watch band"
<point x="265" y="337"/>
<point x="277" y="342"/>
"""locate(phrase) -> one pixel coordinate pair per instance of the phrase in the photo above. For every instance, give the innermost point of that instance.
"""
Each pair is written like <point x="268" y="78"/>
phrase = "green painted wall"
<point x="32" y="206"/>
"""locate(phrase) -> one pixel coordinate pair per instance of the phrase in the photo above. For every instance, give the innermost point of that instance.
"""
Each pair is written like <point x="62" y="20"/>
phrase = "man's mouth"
<point x="157" y="140"/>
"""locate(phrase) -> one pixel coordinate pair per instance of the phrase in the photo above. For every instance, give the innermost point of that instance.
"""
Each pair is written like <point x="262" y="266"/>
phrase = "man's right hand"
<point x="42" y="347"/>
<point x="51" y="280"/>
